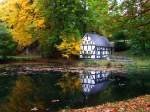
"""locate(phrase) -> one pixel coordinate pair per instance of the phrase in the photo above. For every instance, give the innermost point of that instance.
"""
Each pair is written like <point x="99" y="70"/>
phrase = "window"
<point x="93" y="46"/>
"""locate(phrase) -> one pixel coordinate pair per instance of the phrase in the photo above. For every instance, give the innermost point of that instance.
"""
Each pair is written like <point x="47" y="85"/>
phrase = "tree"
<point x="69" y="47"/>
<point x="120" y="40"/>
<point x="67" y="22"/>
<point x="7" y="45"/>
<point x="133" y="16"/>
<point x="24" y="21"/>
<point x="120" y="35"/>
<point x="57" y="24"/>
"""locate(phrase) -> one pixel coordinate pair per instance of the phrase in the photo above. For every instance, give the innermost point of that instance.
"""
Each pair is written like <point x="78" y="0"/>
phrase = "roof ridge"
<point x="99" y="40"/>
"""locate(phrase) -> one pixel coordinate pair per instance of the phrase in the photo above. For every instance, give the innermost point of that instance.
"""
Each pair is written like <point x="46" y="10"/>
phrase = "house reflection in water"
<point x="94" y="81"/>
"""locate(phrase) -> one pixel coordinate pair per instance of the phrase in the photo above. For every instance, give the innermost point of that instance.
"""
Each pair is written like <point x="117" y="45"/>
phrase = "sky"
<point x="120" y="1"/>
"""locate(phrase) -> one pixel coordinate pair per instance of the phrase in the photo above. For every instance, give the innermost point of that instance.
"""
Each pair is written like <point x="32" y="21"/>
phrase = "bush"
<point x="120" y="46"/>
<point x="7" y="45"/>
<point x="120" y="41"/>
<point x="140" y="43"/>
<point x="120" y="35"/>
<point x="70" y="46"/>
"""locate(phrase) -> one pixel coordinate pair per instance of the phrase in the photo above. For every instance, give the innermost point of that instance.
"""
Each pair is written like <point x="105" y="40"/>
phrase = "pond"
<point x="52" y="91"/>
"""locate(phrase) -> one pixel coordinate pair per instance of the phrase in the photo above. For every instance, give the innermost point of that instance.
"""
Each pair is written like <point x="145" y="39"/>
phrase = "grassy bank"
<point x="137" y="61"/>
<point x="20" y="58"/>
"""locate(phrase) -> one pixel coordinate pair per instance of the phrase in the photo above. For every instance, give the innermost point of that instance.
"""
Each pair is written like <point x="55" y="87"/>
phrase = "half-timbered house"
<point x="94" y="46"/>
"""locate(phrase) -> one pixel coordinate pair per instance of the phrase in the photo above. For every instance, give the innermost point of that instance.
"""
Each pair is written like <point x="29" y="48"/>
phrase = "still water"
<point x="52" y="91"/>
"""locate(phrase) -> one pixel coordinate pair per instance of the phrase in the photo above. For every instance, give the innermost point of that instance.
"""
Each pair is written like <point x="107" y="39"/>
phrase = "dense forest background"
<point x="58" y="25"/>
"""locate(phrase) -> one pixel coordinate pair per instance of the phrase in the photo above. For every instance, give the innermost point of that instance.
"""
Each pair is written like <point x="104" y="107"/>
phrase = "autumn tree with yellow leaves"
<point x="59" y="25"/>
<point x="69" y="47"/>
<point x="24" y="19"/>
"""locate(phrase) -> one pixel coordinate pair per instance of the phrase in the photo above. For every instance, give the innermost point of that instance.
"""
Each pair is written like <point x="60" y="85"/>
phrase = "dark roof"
<point x="99" y="40"/>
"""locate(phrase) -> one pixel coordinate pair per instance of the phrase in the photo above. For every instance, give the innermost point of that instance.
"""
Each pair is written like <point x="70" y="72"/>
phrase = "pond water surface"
<point x="52" y="91"/>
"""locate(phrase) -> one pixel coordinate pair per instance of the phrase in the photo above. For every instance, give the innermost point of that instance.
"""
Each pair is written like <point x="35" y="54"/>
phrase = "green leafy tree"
<point x="137" y="16"/>
<point x="7" y="45"/>
<point x="119" y="36"/>
<point x="73" y="17"/>
<point x="133" y="16"/>
<point x="120" y="40"/>
<point x="65" y="18"/>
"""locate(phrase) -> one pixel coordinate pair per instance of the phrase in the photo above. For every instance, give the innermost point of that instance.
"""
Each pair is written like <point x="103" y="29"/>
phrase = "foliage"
<point x="120" y="46"/>
<point x="119" y="36"/>
<point x="141" y="43"/>
<point x="74" y="17"/>
<point x="7" y="45"/>
<point x="138" y="104"/>
<point x="55" y="22"/>
<point x="69" y="47"/>
<point x="65" y="16"/>
<point x="98" y="17"/>
<point x="120" y="41"/>
<point x="23" y="19"/>
<point x="132" y="16"/>
<point x="66" y="20"/>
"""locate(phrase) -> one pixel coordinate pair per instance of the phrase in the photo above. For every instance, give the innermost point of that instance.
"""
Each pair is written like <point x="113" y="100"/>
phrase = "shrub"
<point x="120" y="41"/>
<point x="140" y="43"/>
<point x="7" y="45"/>
<point x="119" y="36"/>
<point x="69" y="47"/>
<point x="120" y="46"/>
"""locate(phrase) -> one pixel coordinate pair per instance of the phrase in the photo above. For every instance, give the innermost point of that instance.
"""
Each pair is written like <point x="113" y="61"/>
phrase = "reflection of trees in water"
<point x="21" y="97"/>
<point x="41" y="90"/>
<point x="6" y="83"/>
<point x="70" y="92"/>
<point x="69" y="83"/>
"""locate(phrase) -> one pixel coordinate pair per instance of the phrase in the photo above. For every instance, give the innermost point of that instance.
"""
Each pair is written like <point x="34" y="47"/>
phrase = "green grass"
<point x="138" y="60"/>
<point x="21" y="58"/>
